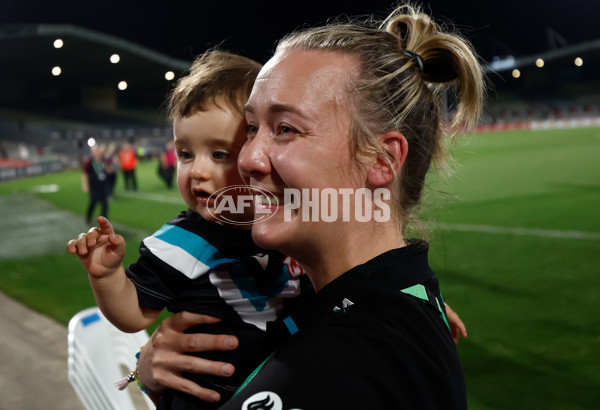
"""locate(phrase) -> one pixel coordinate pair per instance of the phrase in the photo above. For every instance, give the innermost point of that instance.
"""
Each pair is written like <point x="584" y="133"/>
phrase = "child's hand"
<point x="100" y="250"/>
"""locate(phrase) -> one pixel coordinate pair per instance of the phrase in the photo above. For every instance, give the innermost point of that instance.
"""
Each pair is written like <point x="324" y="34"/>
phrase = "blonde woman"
<point x="352" y="110"/>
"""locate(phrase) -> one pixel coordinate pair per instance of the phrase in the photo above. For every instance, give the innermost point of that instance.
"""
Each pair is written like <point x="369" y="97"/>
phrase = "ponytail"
<point x="408" y="65"/>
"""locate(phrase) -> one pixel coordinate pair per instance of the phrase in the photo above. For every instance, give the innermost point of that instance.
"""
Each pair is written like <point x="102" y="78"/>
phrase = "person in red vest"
<point x="128" y="162"/>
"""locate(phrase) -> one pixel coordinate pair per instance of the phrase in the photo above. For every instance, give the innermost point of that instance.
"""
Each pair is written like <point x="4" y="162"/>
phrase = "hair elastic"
<point x="415" y="58"/>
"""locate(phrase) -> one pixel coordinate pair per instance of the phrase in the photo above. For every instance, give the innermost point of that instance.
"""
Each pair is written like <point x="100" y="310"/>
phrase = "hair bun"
<point x="439" y="68"/>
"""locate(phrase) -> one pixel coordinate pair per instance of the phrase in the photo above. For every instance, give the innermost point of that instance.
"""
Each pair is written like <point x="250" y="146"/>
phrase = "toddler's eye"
<point x="220" y="155"/>
<point x="183" y="155"/>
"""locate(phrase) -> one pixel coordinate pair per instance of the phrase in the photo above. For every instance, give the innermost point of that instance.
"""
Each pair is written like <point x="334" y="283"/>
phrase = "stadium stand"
<point x="563" y="92"/>
<point x="46" y="120"/>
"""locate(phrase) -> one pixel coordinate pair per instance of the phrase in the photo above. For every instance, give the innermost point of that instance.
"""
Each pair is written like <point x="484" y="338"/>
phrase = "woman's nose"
<point x="254" y="159"/>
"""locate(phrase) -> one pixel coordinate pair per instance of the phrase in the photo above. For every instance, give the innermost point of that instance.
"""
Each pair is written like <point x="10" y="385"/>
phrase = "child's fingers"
<point x="118" y="244"/>
<point x="92" y="236"/>
<point x="105" y="226"/>
<point x="78" y="245"/>
<point x="72" y="246"/>
<point x="81" y="245"/>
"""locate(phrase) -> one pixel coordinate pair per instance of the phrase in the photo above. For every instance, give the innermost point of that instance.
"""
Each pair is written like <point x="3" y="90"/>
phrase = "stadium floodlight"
<point x="516" y="73"/>
<point x="579" y="61"/>
<point x="169" y="75"/>
<point x="508" y="63"/>
<point x="539" y="62"/>
<point x="502" y="63"/>
<point x="115" y="58"/>
<point x="58" y="43"/>
<point x="122" y="85"/>
<point x="56" y="71"/>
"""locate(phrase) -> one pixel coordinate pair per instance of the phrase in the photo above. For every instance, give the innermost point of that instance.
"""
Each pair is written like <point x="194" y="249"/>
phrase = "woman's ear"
<point x="383" y="171"/>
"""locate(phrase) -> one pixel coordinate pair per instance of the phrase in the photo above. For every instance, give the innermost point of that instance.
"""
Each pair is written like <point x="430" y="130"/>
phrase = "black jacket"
<point x="374" y="338"/>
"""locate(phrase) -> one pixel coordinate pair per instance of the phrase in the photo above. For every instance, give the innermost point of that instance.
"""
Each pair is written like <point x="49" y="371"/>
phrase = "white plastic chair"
<point x="99" y="355"/>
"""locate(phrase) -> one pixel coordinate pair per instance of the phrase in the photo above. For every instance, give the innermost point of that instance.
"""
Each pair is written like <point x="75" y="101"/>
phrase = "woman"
<point x="349" y="109"/>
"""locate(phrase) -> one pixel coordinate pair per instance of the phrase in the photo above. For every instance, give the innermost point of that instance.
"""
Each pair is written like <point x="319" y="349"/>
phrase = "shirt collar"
<point x="387" y="273"/>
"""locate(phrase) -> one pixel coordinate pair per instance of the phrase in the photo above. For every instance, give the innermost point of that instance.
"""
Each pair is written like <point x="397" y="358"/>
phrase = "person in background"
<point x="128" y="163"/>
<point x="111" y="158"/>
<point x="166" y="166"/>
<point x="350" y="106"/>
<point x="94" y="180"/>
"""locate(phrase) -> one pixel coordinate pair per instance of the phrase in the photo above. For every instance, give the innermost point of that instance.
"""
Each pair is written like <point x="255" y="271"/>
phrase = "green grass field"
<point x="517" y="251"/>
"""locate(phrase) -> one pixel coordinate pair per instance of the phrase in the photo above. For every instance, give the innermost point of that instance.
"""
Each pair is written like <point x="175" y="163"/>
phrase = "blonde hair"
<point x="215" y="78"/>
<point x="407" y="63"/>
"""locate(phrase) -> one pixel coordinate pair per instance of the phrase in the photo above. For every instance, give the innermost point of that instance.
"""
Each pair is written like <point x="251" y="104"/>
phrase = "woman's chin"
<point x="266" y="237"/>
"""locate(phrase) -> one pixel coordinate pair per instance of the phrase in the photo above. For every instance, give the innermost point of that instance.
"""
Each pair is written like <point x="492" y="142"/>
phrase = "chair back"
<point x="99" y="355"/>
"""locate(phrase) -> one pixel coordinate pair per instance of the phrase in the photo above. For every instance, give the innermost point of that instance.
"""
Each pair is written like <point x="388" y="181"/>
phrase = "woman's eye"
<point x="220" y="155"/>
<point x="286" y="131"/>
<point x="251" y="130"/>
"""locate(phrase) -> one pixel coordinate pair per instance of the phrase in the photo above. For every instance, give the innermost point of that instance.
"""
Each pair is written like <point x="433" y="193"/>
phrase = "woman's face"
<point x="298" y="130"/>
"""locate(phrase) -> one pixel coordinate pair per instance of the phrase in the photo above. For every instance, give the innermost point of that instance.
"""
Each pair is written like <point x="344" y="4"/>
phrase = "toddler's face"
<point x="207" y="144"/>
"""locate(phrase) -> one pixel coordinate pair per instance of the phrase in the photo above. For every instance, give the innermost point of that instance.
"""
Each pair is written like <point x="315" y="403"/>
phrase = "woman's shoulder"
<point x="399" y="315"/>
<point x="356" y="359"/>
<point x="399" y="336"/>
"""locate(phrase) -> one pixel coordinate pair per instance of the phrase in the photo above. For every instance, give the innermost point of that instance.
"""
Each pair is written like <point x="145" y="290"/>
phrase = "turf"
<point x="56" y="284"/>
<point x="529" y="300"/>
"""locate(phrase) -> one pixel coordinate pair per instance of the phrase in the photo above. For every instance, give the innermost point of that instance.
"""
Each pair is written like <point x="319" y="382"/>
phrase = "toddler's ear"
<point x="383" y="170"/>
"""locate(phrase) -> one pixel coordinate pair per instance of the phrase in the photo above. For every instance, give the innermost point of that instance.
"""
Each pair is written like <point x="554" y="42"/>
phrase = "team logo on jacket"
<point x="265" y="400"/>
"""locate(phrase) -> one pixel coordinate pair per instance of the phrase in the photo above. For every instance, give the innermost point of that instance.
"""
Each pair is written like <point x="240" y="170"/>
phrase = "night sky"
<point x="183" y="29"/>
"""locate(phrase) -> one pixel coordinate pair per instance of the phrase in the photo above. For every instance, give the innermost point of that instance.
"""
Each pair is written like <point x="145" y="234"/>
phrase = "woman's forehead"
<point x="306" y="63"/>
<point x="317" y="75"/>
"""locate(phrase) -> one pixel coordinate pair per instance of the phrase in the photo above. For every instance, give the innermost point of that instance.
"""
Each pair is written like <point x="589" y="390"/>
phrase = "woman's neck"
<point x="324" y="262"/>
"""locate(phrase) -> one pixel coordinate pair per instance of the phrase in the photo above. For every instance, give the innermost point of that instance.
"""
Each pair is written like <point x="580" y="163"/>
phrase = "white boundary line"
<point x="515" y="230"/>
<point x="491" y="229"/>
<point x="153" y="197"/>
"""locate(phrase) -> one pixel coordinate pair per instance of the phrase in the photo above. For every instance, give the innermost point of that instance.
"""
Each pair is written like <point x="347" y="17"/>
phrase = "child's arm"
<point x="101" y="252"/>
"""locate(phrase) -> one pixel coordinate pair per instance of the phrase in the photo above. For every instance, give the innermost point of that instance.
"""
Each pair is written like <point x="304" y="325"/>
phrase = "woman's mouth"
<point x="262" y="199"/>
<point x="267" y="202"/>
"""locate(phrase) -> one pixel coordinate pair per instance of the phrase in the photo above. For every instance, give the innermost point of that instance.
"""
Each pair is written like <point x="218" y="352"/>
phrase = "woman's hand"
<point x="457" y="327"/>
<point x="162" y="360"/>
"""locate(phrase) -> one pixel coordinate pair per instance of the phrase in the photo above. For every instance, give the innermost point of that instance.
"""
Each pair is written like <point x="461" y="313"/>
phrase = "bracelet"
<point x="133" y="376"/>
